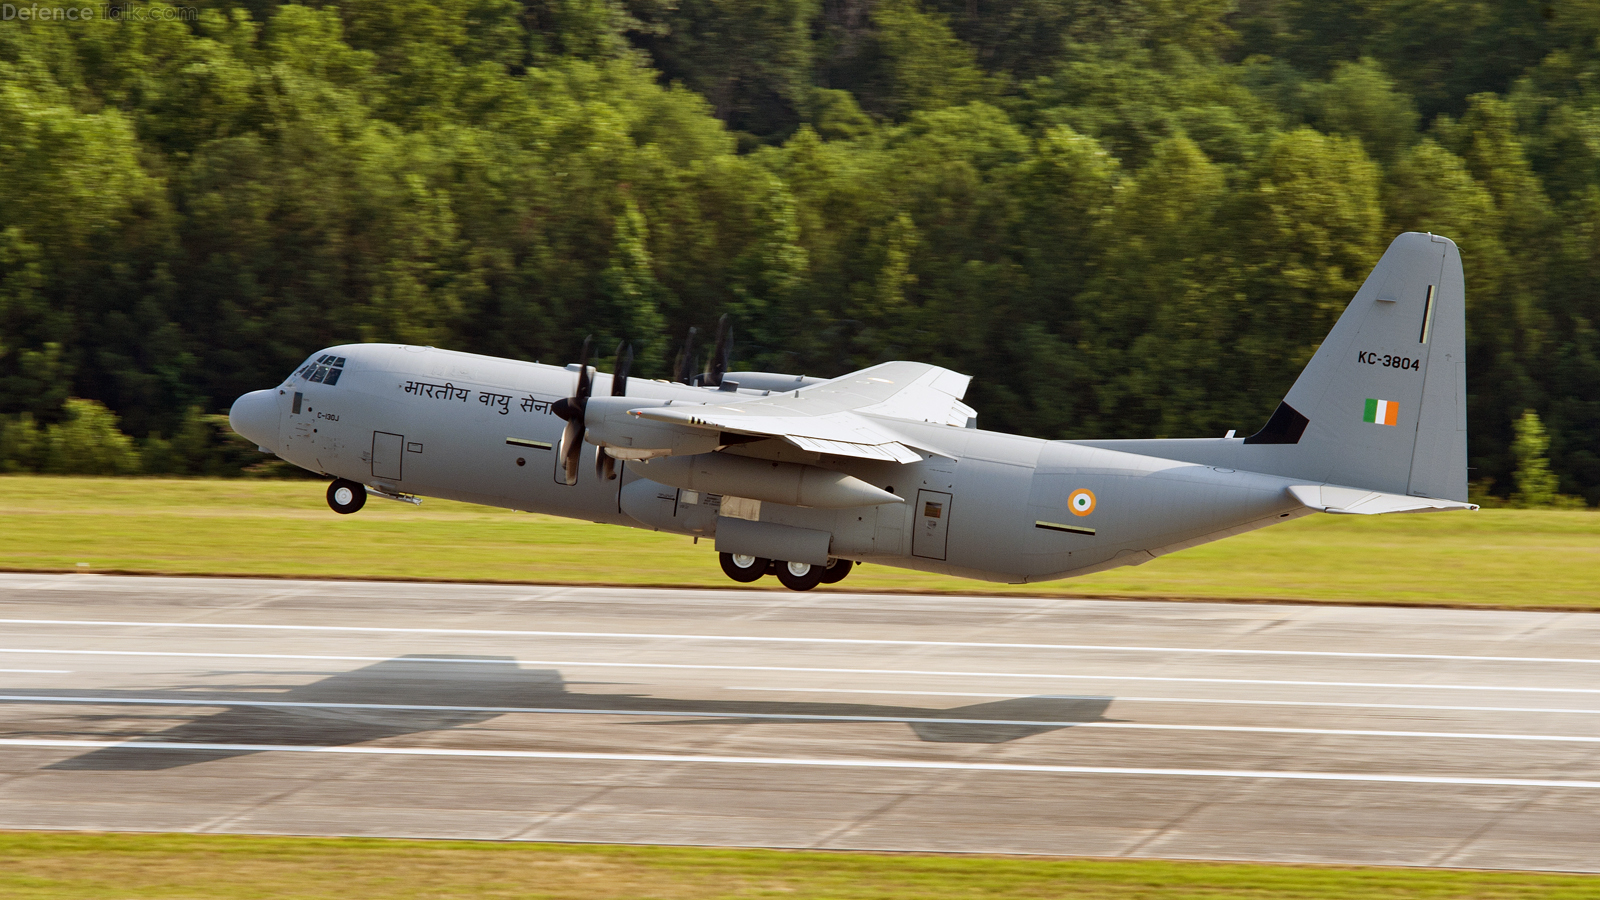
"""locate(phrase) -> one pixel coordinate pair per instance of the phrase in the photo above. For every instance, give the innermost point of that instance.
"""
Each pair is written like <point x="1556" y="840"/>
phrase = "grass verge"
<point x="1510" y="558"/>
<point x="46" y="866"/>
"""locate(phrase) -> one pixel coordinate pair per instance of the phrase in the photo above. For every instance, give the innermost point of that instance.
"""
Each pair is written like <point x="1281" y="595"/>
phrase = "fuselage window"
<point x="317" y="376"/>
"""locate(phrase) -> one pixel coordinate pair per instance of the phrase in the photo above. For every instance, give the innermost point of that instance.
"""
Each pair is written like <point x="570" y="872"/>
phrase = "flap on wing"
<point x="893" y="451"/>
<point x="1359" y="502"/>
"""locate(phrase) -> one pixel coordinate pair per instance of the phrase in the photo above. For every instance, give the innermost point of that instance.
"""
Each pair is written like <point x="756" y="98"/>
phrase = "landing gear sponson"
<point x="794" y="576"/>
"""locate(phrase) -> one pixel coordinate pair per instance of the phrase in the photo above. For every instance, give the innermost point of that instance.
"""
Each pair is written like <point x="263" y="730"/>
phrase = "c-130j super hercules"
<point x="803" y="477"/>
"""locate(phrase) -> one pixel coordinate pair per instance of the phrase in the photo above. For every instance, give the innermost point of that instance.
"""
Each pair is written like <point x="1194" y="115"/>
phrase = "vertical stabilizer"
<point x="1382" y="404"/>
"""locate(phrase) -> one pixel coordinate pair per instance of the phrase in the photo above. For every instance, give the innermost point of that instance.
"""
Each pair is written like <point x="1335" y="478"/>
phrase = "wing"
<point x="853" y="415"/>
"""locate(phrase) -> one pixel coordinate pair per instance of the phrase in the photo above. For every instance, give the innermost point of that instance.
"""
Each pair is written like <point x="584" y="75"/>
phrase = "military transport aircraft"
<point x="803" y="477"/>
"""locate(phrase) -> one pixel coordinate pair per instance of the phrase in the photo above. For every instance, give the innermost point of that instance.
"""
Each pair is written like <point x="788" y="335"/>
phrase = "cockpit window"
<point x="325" y="369"/>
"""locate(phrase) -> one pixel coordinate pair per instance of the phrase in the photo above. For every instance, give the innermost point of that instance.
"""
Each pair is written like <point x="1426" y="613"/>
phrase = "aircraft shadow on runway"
<point x="497" y="681"/>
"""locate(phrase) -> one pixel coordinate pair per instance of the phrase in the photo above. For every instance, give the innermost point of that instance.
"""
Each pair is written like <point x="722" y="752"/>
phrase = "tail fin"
<point x="1382" y="404"/>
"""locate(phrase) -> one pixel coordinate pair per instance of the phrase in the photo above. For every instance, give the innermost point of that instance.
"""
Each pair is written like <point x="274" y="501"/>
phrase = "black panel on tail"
<point x="1285" y="427"/>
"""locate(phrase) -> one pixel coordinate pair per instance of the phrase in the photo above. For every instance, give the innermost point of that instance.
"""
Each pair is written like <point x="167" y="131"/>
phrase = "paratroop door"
<point x="386" y="449"/>
<point x="933" y="525"/>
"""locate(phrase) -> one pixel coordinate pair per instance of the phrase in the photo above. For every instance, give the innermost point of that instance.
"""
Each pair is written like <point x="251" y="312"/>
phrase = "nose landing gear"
<point x="346" y="496"/>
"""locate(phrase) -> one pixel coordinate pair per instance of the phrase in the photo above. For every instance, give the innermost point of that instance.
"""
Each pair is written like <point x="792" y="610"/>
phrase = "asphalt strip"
<point x="600" y="664"/>
<point x="629" y="635"/>
<point x="784" y="717"/>
<point x="801" y="761"/>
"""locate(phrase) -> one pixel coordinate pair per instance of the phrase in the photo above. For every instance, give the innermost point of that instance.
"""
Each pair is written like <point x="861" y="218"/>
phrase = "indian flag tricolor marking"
<point x="1381" y="412"/>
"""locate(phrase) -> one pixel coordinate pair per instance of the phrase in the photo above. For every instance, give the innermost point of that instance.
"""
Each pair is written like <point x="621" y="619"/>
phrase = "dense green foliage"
<point x="1130" y="218"/>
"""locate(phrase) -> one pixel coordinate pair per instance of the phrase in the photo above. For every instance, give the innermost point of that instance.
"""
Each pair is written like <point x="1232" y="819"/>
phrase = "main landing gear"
<point x="794" y="576"/>
<point x="346" y="496"/>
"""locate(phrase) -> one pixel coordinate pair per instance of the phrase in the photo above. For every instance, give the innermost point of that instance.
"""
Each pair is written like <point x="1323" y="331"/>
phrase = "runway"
<point x="1318" y="734"/>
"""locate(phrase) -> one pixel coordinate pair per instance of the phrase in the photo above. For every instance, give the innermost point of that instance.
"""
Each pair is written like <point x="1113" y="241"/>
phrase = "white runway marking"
<point x="797" y="640"/>
<point x="790" y="717"/>
<point x="1120" y="698"/>
<point x="37" y="671"/>
<point x="800" y="761"/>
<point x="810" y="669"/>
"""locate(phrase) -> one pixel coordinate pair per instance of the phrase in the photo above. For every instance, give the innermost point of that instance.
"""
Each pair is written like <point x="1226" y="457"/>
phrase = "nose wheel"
<point x="346" y="496"/>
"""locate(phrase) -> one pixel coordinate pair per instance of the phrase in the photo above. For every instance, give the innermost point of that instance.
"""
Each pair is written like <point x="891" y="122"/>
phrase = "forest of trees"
<point x="1124" y="218"/>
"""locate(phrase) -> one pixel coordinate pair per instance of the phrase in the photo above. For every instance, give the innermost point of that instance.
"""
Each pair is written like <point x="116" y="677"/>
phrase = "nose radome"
<point x="255" y="416"/>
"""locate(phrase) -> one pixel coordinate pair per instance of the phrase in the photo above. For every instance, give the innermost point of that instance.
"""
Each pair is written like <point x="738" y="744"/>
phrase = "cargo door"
<point x="933" y="525"/>
<point x="386" y="452"/>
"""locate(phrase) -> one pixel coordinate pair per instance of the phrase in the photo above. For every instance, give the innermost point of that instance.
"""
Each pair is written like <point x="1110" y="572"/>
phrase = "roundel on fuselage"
<point x="1081" y="502"/>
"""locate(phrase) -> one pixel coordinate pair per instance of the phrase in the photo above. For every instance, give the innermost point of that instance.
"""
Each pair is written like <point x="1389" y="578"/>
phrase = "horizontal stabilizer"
<point x="1361" y="502"/>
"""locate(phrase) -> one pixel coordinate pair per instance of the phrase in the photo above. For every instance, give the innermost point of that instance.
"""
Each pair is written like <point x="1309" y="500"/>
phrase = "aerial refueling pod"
<point x="789" y="484"/>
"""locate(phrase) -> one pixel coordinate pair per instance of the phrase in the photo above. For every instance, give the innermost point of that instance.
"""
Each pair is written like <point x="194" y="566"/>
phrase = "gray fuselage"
<point x="999" y="507"/>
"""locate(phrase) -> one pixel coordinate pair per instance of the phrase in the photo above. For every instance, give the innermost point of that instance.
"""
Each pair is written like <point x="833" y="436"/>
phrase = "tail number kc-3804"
<point x="1388" y="361"/>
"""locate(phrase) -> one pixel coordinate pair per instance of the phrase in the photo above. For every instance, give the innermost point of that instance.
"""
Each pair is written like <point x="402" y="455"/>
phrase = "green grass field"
<point x="1515" y="558"/>
<point x="191" y="867"/>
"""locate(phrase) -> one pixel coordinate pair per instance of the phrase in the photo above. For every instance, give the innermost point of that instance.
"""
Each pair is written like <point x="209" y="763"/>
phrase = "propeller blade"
<point x="619" y="374"/>
<point x="717" y="365"/>
<point x="571" y="449"/>
<point x="571" y="409"/>
<point x="585" y="384"/>
<point x="604" y="466"/>
<point x="686" y="358"/>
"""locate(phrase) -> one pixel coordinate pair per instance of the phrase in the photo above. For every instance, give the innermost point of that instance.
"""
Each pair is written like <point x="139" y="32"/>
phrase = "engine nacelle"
<point x="608" y="424"/>
<point x="789" y="484"/>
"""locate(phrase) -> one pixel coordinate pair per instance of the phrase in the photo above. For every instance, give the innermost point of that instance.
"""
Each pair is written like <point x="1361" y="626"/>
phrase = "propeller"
<point x="604" y="466"/>
<point x="571" y="410"/>
<point x="717" y="365"/>
<point x="619" y="371"/>
<point x="686" y="358"/>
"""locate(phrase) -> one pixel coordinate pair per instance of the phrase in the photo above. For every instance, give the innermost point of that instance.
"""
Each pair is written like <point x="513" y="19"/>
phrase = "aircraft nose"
<point x="255" y="416"/>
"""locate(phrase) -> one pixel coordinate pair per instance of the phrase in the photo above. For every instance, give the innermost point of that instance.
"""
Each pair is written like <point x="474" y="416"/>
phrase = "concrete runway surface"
<point x="846" y="721"/>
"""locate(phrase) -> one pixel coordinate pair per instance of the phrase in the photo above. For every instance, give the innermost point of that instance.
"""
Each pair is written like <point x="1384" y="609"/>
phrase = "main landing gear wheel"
<point x="744" y="569"/>
<point x="799" y="576"/>
<point x="836" y="571"/>
<point x="346" y="496"/>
